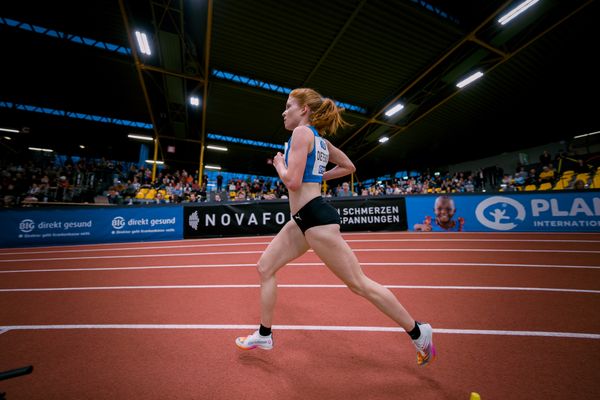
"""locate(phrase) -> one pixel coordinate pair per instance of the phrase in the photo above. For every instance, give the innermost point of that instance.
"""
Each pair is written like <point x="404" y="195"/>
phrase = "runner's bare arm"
<point x="291" y="176"/>
<point x="343" y="164"/>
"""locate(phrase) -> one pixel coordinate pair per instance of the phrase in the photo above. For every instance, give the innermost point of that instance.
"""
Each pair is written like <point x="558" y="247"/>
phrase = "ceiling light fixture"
<point x="470" y="79"/>
<point x="213" y="167"/>
<point x="587" y="134"/>
<point x="194" y="101"/>
<point x="219" y="148"/>
<point x="9" y="130"/>
<point x="140" y="137"/>
<point x="503" y="20"/>
<point x="7" y="138"/>
<point x="40" y="149"/>
<point x="383" y="139"/>
<point x="155" y="162"/>
<point x="143" y="43"/>
<point x="394" y="110"/>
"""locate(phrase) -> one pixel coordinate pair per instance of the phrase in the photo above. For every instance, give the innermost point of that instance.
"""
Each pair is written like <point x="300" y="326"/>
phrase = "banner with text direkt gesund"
<point x="36" y="227"/>
<point x="505" y="212"/>
<point x="268" y="217"/>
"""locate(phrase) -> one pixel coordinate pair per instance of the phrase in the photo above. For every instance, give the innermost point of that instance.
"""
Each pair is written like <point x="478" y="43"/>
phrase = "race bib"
<point x="321" y="156"/>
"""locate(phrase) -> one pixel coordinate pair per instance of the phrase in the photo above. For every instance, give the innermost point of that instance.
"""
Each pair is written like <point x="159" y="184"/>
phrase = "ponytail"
<point x="327" y="118"/>
<point x="326" y="115"/>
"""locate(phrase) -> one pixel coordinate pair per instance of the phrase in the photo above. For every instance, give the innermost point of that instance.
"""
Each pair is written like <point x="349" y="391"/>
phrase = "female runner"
<point x="316" y="224"/>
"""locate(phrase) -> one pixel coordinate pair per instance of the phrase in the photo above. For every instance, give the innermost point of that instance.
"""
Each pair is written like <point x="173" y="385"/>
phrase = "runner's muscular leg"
<point x="332" y="249"/>
<point x="286" y="246"/>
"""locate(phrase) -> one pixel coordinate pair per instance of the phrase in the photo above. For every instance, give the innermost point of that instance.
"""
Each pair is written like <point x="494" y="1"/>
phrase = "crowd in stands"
<point x="563" y="172"/>
<point x="65" y="179"/>
<point x="49" y="179"/>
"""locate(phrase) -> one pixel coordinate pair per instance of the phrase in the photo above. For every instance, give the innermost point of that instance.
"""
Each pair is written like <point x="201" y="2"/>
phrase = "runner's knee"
<point x="264" y="269"/>
<point x="357" y="286"/>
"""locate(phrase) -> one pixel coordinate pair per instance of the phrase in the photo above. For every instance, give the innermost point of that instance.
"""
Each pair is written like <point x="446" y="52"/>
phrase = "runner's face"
<point x="444" y="210"/>
<point x="292" y="114"/>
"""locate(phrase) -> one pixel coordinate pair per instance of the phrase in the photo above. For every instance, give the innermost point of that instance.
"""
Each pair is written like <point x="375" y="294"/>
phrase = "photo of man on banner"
<point x="444" y="211"/>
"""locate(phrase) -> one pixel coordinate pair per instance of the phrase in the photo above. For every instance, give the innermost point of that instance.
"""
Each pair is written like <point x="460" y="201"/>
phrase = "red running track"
<point x="515" y="318"/>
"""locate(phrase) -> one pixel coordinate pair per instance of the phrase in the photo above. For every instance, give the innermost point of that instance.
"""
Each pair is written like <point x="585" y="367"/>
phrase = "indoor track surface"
<point x="515" y="316"/>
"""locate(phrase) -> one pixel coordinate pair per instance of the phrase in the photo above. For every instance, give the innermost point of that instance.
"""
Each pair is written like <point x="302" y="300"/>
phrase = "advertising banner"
<point x="505" y="212"/>
<point x="382" y="213"/>
<point x="268" y="217"/>
<point x="36" y="227"/>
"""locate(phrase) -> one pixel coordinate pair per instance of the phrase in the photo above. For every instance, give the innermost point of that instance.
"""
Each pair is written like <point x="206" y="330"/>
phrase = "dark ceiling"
<point x="539" y="85"/>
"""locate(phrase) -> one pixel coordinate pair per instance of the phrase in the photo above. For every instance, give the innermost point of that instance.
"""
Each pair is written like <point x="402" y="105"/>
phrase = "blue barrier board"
<point x="504" y="212"/>
<point x="37" y="227"/>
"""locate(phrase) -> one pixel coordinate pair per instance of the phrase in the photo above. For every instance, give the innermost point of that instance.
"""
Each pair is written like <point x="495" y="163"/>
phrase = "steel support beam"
<point x="205" y="95"/>
<point x="138" y="68"/>
<point x="503" y="60"/>
<point x="428" y="70"/>
<point x="147" y="67"/>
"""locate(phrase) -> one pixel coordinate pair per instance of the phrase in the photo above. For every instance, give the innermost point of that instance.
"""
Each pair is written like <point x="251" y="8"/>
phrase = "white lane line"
<point x="139" y="248"/>
<point x="109" y="244"/>
<point x="425" y="237"/>
<point x="215" y="253"/>
<point x="179" y="246"/>
<point x="297" y="286"/>
<point x="192" y="266"/>
<point x="307" y="264"/>
<point x="573" y="335"/>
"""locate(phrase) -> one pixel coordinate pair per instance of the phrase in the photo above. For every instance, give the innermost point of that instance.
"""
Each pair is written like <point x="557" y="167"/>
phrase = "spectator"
<point x="532" y="179"/>
<point x="579" y="185"/>
<point x="114" y="197"/>
<point x="192" y="198"/>
<point x="545" y="158"/>
<point x="469" y="186"/>
<point x="345" y="190"/>
<point x="159" y="199"/>
<point x="521" y="176"/>
<point x="547" y="175"/>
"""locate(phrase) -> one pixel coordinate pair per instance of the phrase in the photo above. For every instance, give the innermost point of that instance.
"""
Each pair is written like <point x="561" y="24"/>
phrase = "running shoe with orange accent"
<point x="424" y="345"/>
<point x="255" y="340"/>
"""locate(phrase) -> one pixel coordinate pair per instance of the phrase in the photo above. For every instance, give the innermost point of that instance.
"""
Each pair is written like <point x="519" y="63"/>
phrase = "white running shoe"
<point x="255" y="340"/>
<point x="424" y="345"/>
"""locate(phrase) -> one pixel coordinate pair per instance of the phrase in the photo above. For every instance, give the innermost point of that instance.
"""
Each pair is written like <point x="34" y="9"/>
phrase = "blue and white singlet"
<point x="317" y="159"/>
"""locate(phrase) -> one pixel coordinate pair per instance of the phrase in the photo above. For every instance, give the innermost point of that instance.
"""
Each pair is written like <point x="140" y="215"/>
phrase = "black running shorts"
<point x="316" y="212"/>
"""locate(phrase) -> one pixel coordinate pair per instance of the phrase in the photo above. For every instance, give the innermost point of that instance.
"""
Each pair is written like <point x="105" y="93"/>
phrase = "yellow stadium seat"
<point x="596" y="182"/>
<point x="530" y="188"/>
<point x="561" y="184"/>
<point x="151" y="194"/>
<point x="141" y="194"/>
<point x="569" y="172"/>
<point x="584" y="177"/>
<point x="545" y="186"/>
